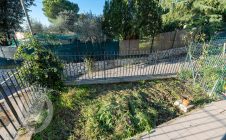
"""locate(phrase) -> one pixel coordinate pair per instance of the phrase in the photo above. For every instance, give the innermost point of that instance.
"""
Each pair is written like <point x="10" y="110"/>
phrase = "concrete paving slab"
<point x="203" y="124"/>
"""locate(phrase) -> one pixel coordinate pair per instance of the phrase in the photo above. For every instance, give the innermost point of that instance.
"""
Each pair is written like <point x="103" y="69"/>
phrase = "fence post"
<point x="155" y="62"/>
<point x="224" y="49"/>
<point x="1" y="122"/>
<point x="104" y="66"/>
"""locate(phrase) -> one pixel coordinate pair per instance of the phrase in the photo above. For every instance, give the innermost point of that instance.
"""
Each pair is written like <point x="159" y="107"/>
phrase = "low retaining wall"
<point x="120" y="79"/>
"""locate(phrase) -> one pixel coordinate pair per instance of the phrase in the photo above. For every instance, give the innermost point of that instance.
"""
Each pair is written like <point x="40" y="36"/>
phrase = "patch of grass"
<point x="40" y="118"/>
<point x="117" y="111"/>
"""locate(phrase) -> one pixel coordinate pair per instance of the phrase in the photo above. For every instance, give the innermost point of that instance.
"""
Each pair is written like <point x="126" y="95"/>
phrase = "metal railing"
<point x="112" y="66"/>
<point x="16" y="100"/>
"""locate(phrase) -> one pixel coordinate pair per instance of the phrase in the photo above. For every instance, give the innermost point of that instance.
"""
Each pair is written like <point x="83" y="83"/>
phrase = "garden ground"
<point x="118" y="111"/>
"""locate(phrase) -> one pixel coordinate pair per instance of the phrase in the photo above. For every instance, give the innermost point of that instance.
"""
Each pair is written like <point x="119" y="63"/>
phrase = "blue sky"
<point x="96" y="6"/>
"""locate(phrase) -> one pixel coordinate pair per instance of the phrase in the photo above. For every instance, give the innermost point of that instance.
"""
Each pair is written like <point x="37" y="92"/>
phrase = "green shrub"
<point x="40" y="65"/>
<point x="185" y="74"/>
<point x="89" y="63"/>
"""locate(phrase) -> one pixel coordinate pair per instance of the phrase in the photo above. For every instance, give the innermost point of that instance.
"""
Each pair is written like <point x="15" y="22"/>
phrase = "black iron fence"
<point x="112" y="66"/>
<point x="16" y="99"/>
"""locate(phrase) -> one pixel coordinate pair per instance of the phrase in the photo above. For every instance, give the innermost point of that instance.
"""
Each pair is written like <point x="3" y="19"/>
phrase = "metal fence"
<point x="128" y="66"/>
<point x="208" y="67"/>
<point x="16" y="100"/>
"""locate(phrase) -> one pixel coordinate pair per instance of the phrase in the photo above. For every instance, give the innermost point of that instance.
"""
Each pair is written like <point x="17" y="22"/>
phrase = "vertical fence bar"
<point x="146" y="64"/>
<point x="1" y="137"/>
<point x="136" y="70"/>
<point x="23" y="86"/>
<point x="116" y="63"/>
<point x="155" y="63"/>
<point x="20" y="88"/>
<point x="130" y="64"/>
<point x="17" y="92"/>
<point x="11" y="92"/>
<point x="6" y="128"/>
<point x="70" y="69"/>
<point x="7" y="115"/>
<point x="32" y="88"/>
<point x="10" y="105"/>
<point x="104" y="66"/>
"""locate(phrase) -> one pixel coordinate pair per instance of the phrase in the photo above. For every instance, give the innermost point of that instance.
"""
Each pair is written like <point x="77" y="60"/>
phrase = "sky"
<point x="95" y="6"/>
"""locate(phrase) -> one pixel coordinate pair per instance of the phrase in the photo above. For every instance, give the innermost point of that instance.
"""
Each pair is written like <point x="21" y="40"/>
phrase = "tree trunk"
<point x="26" y="14"/>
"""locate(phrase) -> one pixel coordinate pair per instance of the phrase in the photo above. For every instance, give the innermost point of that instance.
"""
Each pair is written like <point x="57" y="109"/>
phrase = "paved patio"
<point x="208" y="123"/>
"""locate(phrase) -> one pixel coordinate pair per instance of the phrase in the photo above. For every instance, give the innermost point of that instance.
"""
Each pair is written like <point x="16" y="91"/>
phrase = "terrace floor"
<point x="208" y="123"/>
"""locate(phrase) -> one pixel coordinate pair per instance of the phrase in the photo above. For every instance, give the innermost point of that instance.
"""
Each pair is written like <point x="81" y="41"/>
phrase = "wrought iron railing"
<point x="119" y="67"/>
<point x="17" y="97"/>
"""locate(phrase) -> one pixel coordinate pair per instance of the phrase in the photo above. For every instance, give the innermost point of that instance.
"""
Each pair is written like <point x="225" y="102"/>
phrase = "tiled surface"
<point x="208" y="123"/>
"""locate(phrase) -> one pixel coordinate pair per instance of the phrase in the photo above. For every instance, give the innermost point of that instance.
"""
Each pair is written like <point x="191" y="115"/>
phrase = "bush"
<point x="40" y="65"/>
<point x="89" y="63"/>
<point x="185" y="74"/>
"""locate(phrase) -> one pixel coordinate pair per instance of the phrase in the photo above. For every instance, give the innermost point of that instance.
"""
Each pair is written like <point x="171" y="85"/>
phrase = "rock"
<point x="183" y="107"/>
<point x="177" y="103"/>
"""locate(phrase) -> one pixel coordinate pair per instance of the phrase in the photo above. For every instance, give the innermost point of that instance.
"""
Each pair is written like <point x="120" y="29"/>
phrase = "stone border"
<point x="120" y="79"/>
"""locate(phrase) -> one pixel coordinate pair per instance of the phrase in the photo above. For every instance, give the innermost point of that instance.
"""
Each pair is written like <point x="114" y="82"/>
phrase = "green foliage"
<point x="207" y="15"/>
<point x="117" y="111"/>
<point x="42" y="66"/>
<point x="37" y="26"/>
<point x="4" y="39"/>
<point x="149" y="17"/>
<point x="65" y="21"/>
<point x="208" y="66"/>
<point x="52" y="8"/>
<point x="185" y="74"/>
<point x="12" y="14"/>
<point x="88" y="28"/>
<point x="48" y="39"/>
<point x="131" y="19"/>
<point x="89" y="63"/>
<point x="118" y="116"/>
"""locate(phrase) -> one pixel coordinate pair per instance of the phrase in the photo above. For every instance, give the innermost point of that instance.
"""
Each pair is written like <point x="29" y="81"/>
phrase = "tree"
<point x="65" y="21"/>
<point x="207" y="15"/>
<point x="149" y="21"/>
<point x="37" y="26"/>
<point x="88" y="28"/>
<point x="43" y="67"/>
<point x="52" y="8"/>
<point x="12" y="14"/>
<point x="130" y="19"/>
